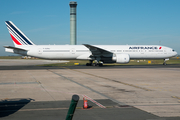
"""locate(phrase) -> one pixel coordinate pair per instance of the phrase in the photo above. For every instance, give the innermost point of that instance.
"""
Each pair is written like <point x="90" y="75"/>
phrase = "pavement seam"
<point x="42" y="87"/>
<point x="88" y="88"/>
<point x="146" y="89"/>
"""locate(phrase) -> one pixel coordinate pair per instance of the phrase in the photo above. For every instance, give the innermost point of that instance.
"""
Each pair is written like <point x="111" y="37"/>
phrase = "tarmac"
<point x="131" y="92"/>
<point x="26" y="62"/>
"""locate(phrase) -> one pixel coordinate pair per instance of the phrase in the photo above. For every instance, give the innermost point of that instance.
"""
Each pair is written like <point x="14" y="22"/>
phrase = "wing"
<point x="96" y="51"/>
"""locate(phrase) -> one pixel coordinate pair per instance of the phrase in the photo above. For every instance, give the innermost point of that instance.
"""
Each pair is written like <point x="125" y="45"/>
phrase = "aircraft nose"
<point x="175" y="53"/>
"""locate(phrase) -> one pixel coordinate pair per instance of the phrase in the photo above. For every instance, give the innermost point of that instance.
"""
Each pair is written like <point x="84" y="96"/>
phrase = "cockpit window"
<point x="173" y="50"/>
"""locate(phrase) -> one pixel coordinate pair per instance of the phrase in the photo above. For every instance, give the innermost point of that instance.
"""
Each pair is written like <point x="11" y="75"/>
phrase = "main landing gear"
<point x="94" y="64"/>
<point x="164" y="63"/>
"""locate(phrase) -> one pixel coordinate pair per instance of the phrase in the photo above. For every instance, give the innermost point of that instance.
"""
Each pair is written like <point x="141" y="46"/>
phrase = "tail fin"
<point x="18" y="37"/>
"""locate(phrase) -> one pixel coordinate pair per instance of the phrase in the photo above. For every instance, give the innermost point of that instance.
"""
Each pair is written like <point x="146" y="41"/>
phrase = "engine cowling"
<point x="121" y="58"/>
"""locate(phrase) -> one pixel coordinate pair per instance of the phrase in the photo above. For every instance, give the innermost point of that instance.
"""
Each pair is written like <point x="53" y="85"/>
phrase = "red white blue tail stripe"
<point x="18" y="37"/>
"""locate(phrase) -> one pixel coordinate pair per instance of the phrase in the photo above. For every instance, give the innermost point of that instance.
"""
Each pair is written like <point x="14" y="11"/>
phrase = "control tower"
<point x="73" y="5"/>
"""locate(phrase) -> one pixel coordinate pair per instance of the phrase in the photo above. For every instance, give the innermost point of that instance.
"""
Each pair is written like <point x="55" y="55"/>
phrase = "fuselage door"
<point x="39" y="51"/>
<point x="73" y="51"/>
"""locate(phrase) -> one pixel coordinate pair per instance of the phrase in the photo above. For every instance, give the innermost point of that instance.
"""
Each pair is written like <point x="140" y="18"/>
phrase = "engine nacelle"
<point x="121" y="58"/>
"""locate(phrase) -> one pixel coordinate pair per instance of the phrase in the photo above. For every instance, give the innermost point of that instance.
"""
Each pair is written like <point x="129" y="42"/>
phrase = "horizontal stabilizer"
<point x="15" y="48"/>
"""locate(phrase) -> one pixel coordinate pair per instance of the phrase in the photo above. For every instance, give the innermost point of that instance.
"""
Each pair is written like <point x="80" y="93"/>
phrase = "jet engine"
<point x="121" y="58"/>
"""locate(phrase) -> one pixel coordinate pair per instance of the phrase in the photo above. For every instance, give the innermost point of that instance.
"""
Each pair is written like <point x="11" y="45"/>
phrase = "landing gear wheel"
<point x="164" y="63"/>
<point x="100" y="64"/>
<point x="94" y="64"/>
<point x="88" y="64"/>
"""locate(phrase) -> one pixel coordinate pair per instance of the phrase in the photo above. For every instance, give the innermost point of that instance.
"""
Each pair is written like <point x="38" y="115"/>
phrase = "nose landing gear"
<point x="164" y="63"/>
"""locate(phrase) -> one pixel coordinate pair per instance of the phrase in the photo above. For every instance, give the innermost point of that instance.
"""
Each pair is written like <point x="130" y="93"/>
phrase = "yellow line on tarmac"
<point x="175" y="97"/>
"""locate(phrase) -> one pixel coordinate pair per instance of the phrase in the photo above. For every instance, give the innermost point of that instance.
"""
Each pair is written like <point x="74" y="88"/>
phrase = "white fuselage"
<point x="61" y="52"/>
<point x="98" y="53"/>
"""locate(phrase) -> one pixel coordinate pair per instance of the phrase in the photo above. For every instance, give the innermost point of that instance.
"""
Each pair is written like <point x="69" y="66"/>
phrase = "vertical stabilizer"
<point x="18" y="37"/>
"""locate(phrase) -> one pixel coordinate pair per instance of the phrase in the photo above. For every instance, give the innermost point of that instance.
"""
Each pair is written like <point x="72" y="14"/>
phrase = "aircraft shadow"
<point x="10" y="106"/>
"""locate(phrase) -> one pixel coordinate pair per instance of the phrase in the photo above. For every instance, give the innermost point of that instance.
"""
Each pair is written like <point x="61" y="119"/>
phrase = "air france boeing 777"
<point x="98" y="53"/>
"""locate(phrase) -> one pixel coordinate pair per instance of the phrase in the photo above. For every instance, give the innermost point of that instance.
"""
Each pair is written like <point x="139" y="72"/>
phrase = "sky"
<point x="99" y="22"/>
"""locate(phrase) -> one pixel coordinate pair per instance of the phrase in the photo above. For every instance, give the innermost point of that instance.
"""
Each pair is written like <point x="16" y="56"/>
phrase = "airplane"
<point x="96" y="54"/>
